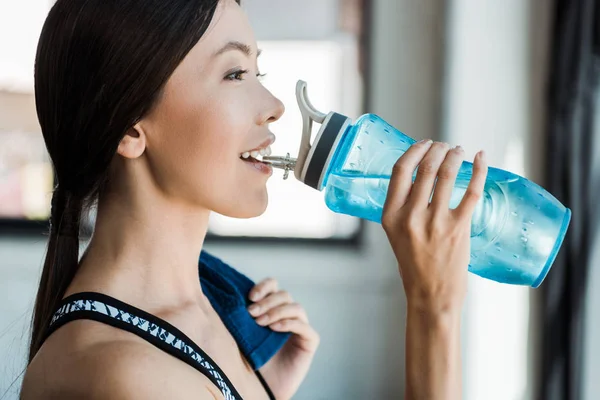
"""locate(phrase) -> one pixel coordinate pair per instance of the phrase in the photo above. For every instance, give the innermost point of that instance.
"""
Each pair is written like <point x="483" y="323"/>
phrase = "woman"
<point x="146" y="107"/>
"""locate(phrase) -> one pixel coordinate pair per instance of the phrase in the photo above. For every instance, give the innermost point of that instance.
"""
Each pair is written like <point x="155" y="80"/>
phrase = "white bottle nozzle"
<point x="309" y="114"/>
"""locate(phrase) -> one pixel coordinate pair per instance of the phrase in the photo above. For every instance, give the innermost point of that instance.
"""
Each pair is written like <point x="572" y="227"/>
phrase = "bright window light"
<point x="20" y="27"/>
<point x="294" y="210"/>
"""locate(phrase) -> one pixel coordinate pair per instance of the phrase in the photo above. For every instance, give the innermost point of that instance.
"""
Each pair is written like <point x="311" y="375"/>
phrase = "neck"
<point x="146" y="250"/>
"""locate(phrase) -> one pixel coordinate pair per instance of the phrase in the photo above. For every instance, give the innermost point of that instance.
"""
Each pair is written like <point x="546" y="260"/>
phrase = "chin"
<point x="249" y="208"/>
<point x="250" y="213"/>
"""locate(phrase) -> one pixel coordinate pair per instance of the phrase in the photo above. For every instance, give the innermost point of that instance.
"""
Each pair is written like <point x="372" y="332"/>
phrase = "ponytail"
<point x="62" y="261"/>
<point x="91" y="86"/>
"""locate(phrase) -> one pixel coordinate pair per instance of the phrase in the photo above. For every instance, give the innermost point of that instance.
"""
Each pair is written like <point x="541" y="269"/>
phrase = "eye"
<point x="236" y="75"/>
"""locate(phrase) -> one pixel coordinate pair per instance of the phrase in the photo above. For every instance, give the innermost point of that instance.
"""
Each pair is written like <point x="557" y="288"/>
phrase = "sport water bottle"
<point x="517" y="227"/>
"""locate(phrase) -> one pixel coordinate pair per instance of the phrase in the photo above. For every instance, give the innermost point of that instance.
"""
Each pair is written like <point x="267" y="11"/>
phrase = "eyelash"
<point x="232" y="76"/>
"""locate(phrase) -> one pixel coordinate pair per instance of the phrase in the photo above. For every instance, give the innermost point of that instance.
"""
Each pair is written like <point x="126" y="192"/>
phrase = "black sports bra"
<point x="102" y="308"/>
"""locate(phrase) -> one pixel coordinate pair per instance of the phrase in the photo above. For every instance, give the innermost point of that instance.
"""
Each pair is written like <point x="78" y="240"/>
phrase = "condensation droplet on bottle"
<point x="516" y="256"/>
<point x="537" y="207"/>
<point x="530" y="222"/>
<point x="514" y="213"/>
<point x="524" y="239"/>
<point x="352" y="165"/>
<point x="359" y="147"/>
<point x="382" y="142"/>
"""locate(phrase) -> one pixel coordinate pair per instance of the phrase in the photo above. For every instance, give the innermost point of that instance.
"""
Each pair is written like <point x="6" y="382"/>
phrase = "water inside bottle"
<point x="506" y="245"/>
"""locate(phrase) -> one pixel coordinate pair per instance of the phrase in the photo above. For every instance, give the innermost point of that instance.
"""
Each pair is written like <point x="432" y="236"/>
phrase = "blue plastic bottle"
<point x="517" y="227"/>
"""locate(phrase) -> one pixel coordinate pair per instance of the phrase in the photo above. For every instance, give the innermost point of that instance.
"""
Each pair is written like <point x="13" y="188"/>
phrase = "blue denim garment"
<point x="227" y="290"/>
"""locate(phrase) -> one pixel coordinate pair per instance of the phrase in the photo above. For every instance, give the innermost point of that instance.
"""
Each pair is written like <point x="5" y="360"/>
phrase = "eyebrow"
<point x="237" y="46"/>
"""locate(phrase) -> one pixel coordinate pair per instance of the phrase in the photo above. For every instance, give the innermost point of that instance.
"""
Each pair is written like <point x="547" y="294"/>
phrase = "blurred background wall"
<point x="469" y="72"/>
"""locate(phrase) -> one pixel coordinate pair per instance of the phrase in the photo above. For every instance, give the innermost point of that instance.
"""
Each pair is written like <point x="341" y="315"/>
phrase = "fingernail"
<point x="253" y="309"/>
<point x="428" y="142"/>
<point x="457" y="147"/>
<point x="481" y="155"/>
<point x="263" y="320"/>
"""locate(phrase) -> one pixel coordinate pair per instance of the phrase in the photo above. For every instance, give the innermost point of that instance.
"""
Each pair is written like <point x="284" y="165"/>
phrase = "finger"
<point x="475" y="188"/>
<point x="446" y="178"/>
<point x="263" y="289"/>
<point x="285" y="311"/>
<point x="427" y="174"/>
<point x="402" y="173"/>
<point x="298" y="327"/>
<point x="273" y="300"/>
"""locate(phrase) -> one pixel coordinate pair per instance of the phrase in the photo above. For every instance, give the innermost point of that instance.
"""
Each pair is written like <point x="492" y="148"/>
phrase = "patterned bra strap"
<point x="106" y="309"/>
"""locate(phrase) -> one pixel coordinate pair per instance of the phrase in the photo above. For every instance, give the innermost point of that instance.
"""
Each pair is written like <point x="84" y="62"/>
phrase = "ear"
<point x="133" y="143"/>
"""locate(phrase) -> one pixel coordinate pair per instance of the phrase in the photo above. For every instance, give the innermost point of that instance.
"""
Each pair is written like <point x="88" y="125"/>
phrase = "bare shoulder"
<point x="119" y="369"/>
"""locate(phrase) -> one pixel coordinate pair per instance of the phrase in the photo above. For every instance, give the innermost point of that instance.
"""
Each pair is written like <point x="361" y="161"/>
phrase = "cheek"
<point x="198" y="141"/>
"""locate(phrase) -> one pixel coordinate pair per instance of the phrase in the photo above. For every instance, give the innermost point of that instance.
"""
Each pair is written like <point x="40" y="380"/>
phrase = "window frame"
<point x="26" y="227"/>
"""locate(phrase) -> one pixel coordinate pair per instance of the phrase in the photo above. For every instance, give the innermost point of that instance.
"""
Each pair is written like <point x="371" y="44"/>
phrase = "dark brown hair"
<point x="100" y="67"/>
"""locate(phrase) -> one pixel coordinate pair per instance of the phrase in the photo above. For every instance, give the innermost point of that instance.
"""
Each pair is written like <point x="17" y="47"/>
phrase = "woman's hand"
<point x="431" y="241"/>
<point x="432" y="245"/>
<point x="276" y="309"/>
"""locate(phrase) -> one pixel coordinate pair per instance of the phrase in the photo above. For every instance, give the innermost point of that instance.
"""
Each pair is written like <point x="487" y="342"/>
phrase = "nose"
<point x="273" y="109"/>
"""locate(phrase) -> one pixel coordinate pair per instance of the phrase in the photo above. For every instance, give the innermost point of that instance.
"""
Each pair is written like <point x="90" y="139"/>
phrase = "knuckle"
<point x="472" y="195"/>
<point x="286" y="296"/>
<point x="446" y="172"/>
<point x="316" y="338"/>
<point x="285" y="324"/>
<point x="304" y="316"/>
<point x="437" y="228"/>
<point x="265" y="303"/>
<point x="270" y="281"/>
<point x="398" y="168"/>
<point x="388" y="221"/>
<point x="410" y="224"/>
<point x="427" y="168"/>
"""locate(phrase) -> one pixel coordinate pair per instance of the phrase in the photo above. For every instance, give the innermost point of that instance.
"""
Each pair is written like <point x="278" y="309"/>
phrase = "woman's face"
<point x="214" y="109"/>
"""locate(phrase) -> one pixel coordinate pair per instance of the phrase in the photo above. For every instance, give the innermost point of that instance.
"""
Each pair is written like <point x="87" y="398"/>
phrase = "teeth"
<point x="255" y="153"/>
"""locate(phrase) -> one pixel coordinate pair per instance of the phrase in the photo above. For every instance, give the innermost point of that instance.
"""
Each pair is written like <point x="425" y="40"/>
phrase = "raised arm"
<point x="432" y="245"/>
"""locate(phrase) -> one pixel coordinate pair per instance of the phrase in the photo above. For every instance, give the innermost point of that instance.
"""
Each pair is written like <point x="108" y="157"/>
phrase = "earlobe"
<point x="133" y="143"/>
